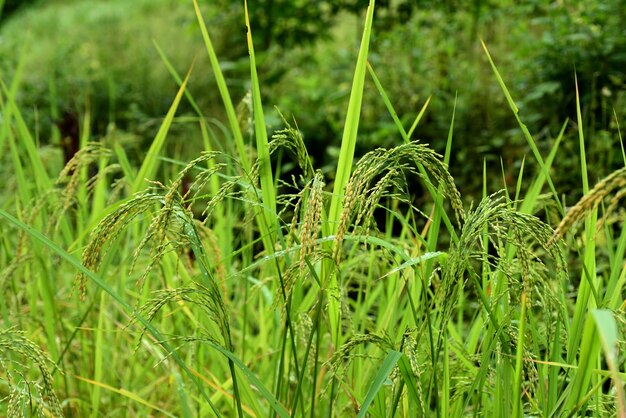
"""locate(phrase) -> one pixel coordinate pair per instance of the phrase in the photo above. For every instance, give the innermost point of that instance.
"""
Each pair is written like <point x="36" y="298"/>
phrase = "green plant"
<point x="27" y="398"/>
<point x="240" y="283"/>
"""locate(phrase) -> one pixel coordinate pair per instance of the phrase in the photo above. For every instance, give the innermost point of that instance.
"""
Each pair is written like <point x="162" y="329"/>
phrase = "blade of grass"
<point x="553" y="374"/>
<point x="588" y="281"/>
<point x="416" y="260"/>
<point x="15" y="83"/>
<point x="223" y="89"/>
<point x="445" y="381"/>
<point x="351" y="126"/>
<point x="42" y="180"/>
<point x="379" y="379"/>
<point x="589" y="351"/>
<point x="607" y="330"/>
<point x="181" y="389"/>
<point x="98" y="357"/>
<point x="123" y="392"/>
<point x="525" y="131"/>
<point x="177" y="78"/>
<point x="439" y="213"/>
<point x="533" y="192"/>
<point x="330" y="282"/>
<point x="517" y="387"/>
<point x="419" y="117"/>
<point x="262" y="146"/>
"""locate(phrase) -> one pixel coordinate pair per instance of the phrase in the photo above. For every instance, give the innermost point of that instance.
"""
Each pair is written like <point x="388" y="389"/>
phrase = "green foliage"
<point x="443" y="62"/>
<point x="289" y="23"/>
<point x="250" y="282"/>
<point x="100" y="58"/>
<point x="586" y="40"/>
<point x="9" y="7"/>
<point x="27" y="398"/>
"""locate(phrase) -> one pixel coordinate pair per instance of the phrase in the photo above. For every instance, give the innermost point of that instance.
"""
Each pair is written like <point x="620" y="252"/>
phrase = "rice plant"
<point x="254" y="284"/>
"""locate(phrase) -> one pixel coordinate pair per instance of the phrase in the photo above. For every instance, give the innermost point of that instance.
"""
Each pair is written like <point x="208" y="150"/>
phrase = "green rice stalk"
<point x="223" y="89"/>
<point x="589" y="350"/>
<point x="525" y="131"/>
<point x="517" y="388"/>
<point x="351" y="126"/>
<point x="98" y="357"/>
<point x="330" y="281"/>
<point x="12" y="343"/>
<point x="615" y="183"/>
<point x="609" y="336"/>
<point x="178" y="79"/>
<point x="262" y="146"/>
<point x="439" y="211"/>
<point x="419" y="116"/>
<point x="378" y="380"/>
<point x="104" y="286"/>
<point x="589" y="281"/>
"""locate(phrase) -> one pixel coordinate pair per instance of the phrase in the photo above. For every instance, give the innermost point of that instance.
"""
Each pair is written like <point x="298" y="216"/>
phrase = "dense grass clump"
<point x="249" y="282"/>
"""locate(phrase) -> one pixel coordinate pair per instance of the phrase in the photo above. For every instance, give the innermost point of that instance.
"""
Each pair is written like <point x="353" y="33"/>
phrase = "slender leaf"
<point x="379" y="380"/>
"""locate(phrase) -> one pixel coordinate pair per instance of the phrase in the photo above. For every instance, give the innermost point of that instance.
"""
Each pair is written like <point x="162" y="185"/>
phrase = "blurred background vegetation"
<point x="89" y="64"/>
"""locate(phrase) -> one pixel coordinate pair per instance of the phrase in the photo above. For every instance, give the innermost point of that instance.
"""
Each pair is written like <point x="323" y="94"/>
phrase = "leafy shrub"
<point x="294" y="22"/>
<point x="590" y="39"/>
<point x="584" y="43"/>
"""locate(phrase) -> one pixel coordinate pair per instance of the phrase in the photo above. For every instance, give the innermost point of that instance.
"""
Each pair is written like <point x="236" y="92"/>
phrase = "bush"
<point x="586" y="40"/>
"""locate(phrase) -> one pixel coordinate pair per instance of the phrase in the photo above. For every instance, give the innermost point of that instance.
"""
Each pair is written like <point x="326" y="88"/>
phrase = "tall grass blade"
<point x="517" y="388"/>
<point x="589" y="351"/>
<point x="262" y="146"/>
<point x="533" y="192"/>
<point x="409" y="380"/>
<point x="419" y="116"/>
<point x="607" y="330"/>
<point x="42" y="180"/>
<point x="231" y="114"/>
<point x="344" y="168"/>
<point x="351" y="126"/>
<point x="15" y="83"/>
<point x="588" y="281"/>
<point x="525" y="131"/>
<point x="177" y="78"/>
<point x="99" y="358"/>
<point x="379" y="380"/>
